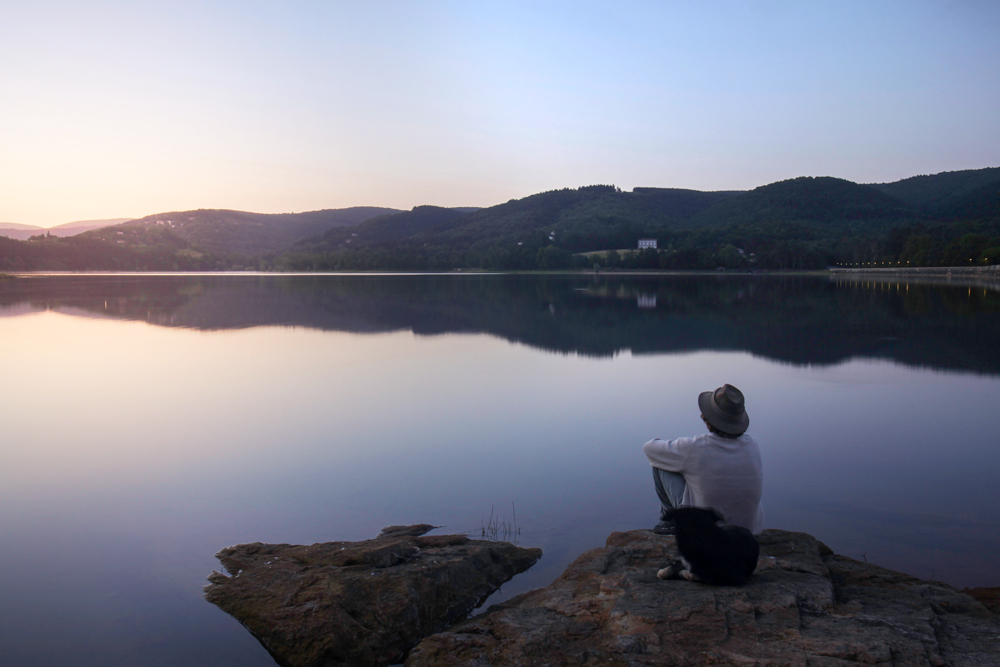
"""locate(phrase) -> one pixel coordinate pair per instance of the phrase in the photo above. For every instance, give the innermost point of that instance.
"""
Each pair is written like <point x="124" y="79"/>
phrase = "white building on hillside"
<point x="647" y="243"/>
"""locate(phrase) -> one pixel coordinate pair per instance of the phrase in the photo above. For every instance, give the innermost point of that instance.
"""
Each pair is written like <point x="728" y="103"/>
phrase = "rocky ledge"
<point x="803" y="606"/>
<point x="369" y="603"/>
<point x="359" y="603"/>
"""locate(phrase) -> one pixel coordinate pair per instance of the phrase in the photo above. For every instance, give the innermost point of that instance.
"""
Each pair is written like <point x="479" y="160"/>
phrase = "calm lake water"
<point x="149" y="421"/>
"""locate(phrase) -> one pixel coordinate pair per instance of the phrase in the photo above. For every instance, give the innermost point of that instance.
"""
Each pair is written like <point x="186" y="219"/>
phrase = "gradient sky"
<point x="114" y="109"/>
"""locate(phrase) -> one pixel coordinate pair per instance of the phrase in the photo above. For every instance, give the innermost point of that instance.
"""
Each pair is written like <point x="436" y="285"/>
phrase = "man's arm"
<point x="668" y="454"/>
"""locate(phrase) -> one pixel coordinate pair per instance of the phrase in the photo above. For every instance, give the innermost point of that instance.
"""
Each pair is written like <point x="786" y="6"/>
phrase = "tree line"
<point x="791" y="247"/>
<point x="769" y="246"/>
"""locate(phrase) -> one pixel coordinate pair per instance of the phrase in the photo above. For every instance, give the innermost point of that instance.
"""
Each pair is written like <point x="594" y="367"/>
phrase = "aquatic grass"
<point x="498" y="529"/>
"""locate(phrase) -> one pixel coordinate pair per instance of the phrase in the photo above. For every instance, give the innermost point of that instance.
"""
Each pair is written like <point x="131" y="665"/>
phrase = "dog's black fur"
<point x="720" y="555"/>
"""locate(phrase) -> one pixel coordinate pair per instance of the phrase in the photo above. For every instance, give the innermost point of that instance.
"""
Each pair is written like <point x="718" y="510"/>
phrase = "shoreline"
<point x="990" y="270"/>
<point x="979" y="272"/>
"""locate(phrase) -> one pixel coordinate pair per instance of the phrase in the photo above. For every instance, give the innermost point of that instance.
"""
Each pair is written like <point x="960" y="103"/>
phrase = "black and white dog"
<point x="713" y="554"/>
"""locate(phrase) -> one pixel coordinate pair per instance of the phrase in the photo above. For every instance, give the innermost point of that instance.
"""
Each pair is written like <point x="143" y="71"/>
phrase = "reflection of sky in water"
<point x="133" y="453"/>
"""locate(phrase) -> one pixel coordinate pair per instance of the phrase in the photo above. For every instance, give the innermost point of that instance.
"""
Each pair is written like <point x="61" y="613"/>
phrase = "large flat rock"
<point x="359" y="603"/>
<point x="805" y="606"/>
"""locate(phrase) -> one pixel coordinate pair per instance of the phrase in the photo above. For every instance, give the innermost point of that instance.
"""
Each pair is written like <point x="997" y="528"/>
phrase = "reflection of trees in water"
<point x="120" y="297"/>
<point x="797" y="319"/>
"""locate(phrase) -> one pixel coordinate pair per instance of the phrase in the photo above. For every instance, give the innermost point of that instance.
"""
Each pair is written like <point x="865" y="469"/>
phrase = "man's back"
<point x="723" y="473"/>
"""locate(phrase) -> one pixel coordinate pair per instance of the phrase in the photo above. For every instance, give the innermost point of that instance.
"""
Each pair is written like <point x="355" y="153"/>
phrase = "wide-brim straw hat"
<point x="724" y="409"/>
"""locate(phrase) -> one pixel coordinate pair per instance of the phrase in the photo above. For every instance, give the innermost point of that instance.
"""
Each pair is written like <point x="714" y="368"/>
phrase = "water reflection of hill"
<point x="800" y="320"/>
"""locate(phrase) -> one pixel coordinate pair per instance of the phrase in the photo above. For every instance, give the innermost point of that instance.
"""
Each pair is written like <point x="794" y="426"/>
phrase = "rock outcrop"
<point x="359" y="603"/>
<point x="804" y="606"/>
<point x="989" y="597"/>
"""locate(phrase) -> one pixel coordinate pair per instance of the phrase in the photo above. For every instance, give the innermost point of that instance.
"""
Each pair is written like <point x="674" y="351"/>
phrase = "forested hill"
<point x="582" y="219"/>
<point x="381" y="229"/>
<point x="936" y="192"/>
<point x="800" y="223"/>
<point x="948" y="219"/>
<point x="201" y="240"/>
<point x="602" y="216"/>
<point x="588" y="218"/>
<point x="834" y="203"/>
<point x="982" y="203"/>
<point x="224" y="232"/>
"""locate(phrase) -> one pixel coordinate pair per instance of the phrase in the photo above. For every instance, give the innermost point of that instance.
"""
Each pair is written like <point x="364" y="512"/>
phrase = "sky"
<point x="125" y="109"/>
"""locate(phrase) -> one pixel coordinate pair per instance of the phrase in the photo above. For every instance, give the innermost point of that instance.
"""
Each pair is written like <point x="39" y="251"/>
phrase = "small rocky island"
<point x="360" y="603"/>
<point x="405" y="594"/>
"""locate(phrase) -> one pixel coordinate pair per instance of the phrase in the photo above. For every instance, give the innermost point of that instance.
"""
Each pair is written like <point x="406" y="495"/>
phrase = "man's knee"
<point x="669" y="487"/>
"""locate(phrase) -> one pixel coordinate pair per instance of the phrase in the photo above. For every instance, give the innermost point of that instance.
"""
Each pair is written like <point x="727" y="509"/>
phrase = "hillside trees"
<point x="801" y="223"/>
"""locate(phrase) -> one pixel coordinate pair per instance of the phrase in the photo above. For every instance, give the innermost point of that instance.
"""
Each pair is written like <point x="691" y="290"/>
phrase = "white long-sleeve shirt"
<point x="723" y="473"/>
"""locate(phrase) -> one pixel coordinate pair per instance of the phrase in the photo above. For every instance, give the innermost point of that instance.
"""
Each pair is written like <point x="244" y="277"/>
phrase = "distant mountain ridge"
<point x="798" y="223"/>
<point x="819" y="200"/>
<point x="578" y="218"/>
<point x="805" y="222"/>
<point x="15" y="230"/>
<point x="981" y="203"/>
<point x="221" y="231"/>
<point x="939" y="191"/>
<point x="17" y="225"/>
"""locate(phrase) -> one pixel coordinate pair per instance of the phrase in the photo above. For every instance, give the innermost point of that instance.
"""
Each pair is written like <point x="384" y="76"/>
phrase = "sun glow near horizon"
<point x="119" y="110"/>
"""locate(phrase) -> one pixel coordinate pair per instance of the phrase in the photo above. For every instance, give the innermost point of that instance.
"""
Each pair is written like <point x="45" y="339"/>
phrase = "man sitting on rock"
<point x="720" y="469"/>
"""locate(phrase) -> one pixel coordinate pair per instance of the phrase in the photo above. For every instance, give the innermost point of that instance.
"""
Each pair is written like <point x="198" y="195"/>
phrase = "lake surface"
<point x="149" y="421"/>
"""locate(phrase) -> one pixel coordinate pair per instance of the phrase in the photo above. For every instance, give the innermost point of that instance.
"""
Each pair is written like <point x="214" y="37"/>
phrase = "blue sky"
<point x="113" y="109"/>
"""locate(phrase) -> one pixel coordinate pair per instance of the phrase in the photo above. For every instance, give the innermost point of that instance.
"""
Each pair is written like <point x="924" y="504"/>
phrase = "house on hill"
<point x="647" y="243"/>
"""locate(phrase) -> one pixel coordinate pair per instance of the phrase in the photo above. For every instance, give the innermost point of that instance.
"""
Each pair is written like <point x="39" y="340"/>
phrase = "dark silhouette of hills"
<point x="575" y="217"/>
<point x="90" y="252"/>
<point x="980" y="204"/>
<point x="201" y="240"/>
<point x="80" y="226"/>
<point x="794" y="319"/>
<point x="20" y="232"/>
<point x="224" y="232"/>
<point x="833" y="203"/>
<point x="389" y="227"/>
<point x="801" y="223"/>
<point x="24" y="232"/>
<point x="939" y="191"/>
